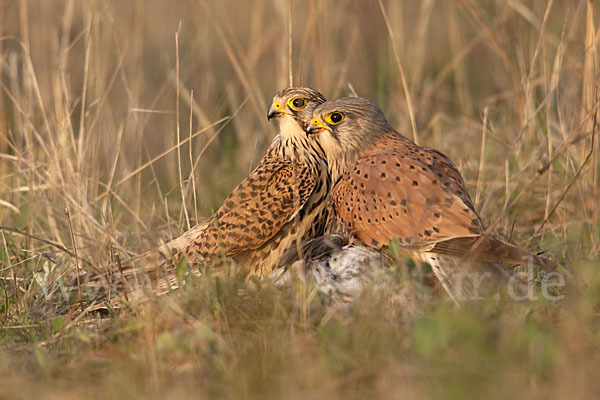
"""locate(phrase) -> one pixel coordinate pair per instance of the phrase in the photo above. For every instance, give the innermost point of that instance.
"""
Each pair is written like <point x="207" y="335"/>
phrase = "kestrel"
<point x="283" y="200"/>
<point x="387" y="187"/>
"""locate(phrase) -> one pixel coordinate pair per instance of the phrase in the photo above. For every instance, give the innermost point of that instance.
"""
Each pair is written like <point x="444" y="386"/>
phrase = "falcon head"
<point x="346" y="127"/>
<point x="294" y="107"/>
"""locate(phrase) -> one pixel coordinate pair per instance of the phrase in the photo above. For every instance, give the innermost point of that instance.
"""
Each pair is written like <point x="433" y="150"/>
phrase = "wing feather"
<point x="257" y="209"/>
<point x="398" y="189"/>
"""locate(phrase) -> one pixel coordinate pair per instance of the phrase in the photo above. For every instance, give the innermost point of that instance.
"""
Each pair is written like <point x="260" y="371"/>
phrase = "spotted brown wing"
<point x="398" y="189"/>
<point x="257" y="208"/>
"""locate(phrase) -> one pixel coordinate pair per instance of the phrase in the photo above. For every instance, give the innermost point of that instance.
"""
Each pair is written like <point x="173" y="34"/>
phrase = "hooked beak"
<point x="316" y="126"/>
<point x="275" y="111"/>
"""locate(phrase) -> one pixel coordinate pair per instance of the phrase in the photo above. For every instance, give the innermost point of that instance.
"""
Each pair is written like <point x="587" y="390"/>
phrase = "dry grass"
<point x="139" y="117"/>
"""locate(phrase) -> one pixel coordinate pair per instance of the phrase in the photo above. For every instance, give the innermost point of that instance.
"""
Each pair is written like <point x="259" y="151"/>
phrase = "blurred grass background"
<point x="96" y="95"/>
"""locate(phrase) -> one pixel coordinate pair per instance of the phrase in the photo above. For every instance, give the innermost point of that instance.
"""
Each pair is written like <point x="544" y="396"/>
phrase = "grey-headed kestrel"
<point x="387" y="187"/>
<point x="282" y="200"/>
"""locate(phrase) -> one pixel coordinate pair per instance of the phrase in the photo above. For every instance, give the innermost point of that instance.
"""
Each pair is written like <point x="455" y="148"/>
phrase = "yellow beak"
<point x="316" y="126"/>
<point x="276" y="111"/>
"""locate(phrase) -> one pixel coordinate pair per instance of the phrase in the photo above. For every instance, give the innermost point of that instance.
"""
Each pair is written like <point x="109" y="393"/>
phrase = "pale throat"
<point x="289" y="129"/>
<point x="295" y="145"/>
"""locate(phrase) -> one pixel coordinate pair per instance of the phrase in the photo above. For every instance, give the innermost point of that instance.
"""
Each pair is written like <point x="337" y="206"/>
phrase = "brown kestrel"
<point x="387" y="187"/>
<point x="282" y="200"/>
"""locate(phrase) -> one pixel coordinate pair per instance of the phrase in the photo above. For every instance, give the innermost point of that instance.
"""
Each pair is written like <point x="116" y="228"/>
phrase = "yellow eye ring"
<point x="296" y="103"/>
<point x="334" y="118"/>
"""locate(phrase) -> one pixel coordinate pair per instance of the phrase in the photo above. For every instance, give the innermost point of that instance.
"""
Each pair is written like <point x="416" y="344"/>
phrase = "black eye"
<point x="336" y="118"/>
<point x="298" y="102"/>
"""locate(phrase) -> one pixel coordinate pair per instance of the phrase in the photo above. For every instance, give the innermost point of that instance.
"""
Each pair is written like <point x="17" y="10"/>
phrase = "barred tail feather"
<point x="140" y="278"/>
